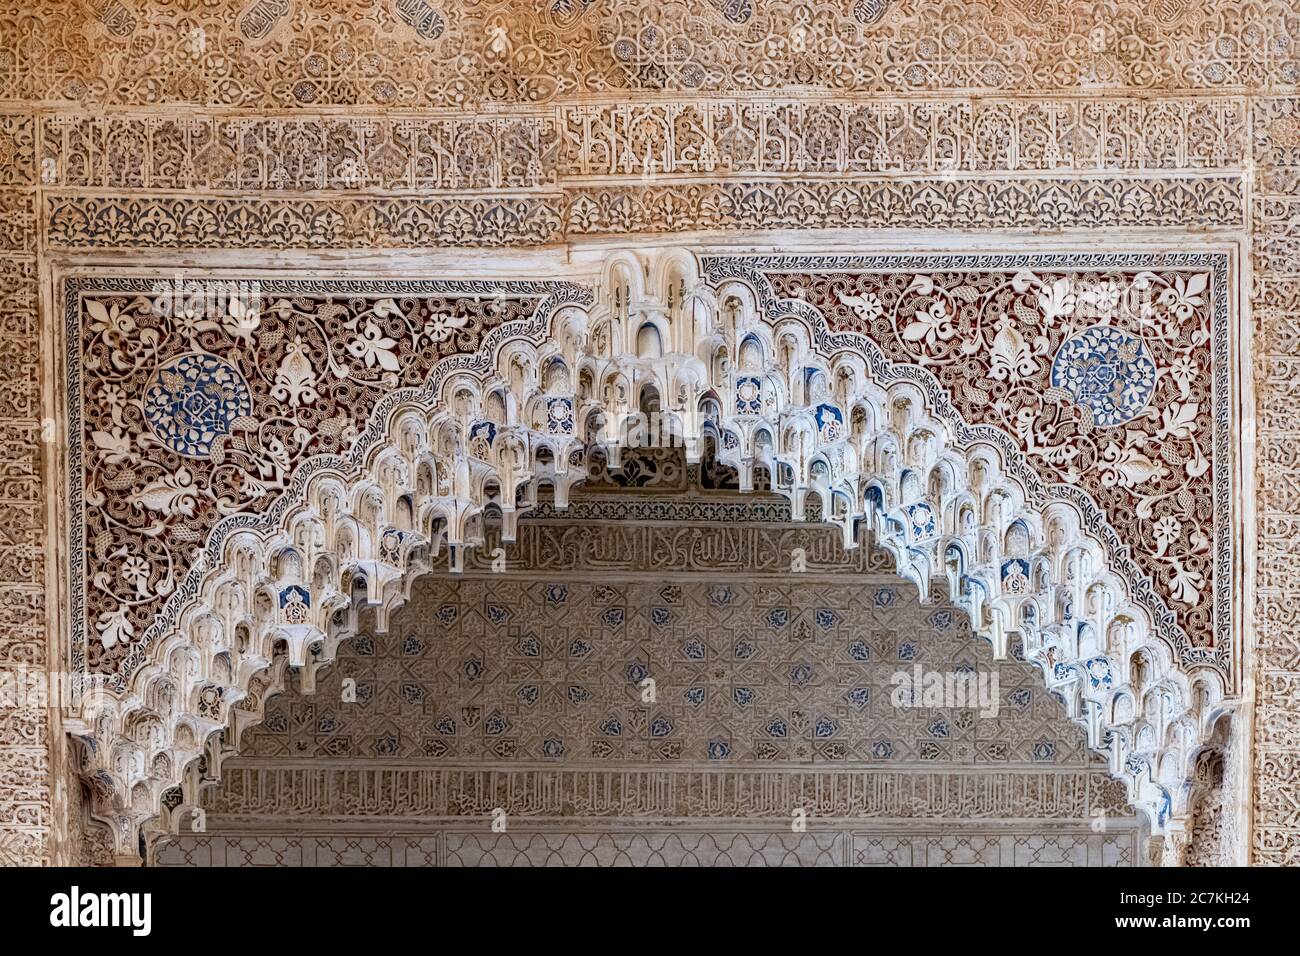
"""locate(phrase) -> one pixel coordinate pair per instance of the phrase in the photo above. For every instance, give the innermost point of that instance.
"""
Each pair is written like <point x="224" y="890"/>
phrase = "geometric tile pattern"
<point x="830" y="846"/>
<point x="549" y="669"/>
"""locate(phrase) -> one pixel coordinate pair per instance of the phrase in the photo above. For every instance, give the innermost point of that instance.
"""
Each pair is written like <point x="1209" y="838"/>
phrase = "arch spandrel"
<point x="703" y="350"/>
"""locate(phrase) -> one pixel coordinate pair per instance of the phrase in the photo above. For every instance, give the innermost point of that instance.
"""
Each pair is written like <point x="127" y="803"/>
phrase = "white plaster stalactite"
<point x="704" y="363"/>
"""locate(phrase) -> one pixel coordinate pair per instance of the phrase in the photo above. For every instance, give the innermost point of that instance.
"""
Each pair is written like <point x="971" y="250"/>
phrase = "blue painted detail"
<point x="749" y="396"/>
<point x="481" y="437"/>
<point x="721" y="596"/>
<point x="1108" y="371"/>
<point x="1015" y="576"/>
<point x="921" y="518"/>
<point x="193" y="400"/>
<point x="293" y="594"/>
<point x="559" y="416"/>
<point x="830" y="423"/>
<point x="1020" y="698"/>
<point x="636" y="672"/>
<point x="1099" y="672"/>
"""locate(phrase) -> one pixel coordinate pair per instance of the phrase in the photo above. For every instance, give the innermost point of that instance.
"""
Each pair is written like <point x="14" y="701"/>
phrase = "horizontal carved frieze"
<point x="654" y="792"/>
<point x="422" y="53"/>
<point x="81" y="221"/>
<point x="524" y="148"/>
<point x="602" y="843"/>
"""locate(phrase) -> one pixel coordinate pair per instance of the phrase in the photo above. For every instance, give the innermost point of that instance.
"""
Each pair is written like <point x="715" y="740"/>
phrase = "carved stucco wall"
<point x="521" y="690"/>
<point x="984" y="334"/>
<point x="154" y="126"/>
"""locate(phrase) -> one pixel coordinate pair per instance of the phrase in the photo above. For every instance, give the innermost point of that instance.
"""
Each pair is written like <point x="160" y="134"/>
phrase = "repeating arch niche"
<point x="712" y="366"/>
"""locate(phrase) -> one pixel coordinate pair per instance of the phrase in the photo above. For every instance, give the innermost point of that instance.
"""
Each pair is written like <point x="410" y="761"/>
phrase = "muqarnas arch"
<point x="1048" y="435"/>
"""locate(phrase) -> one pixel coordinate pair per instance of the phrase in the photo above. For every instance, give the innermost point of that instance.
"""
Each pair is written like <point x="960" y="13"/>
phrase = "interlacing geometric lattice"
<point x="714" y="359"/>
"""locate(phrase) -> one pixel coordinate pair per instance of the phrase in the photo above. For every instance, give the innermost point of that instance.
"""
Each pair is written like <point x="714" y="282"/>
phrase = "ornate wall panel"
<point x="145" y="356"/>
<point x="266" y="125"/>
<point x="90" y="222"/>
<point x="972" y="337"/>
